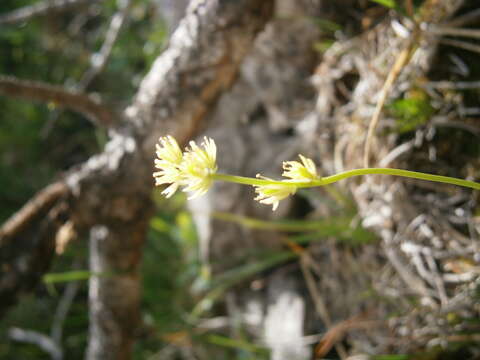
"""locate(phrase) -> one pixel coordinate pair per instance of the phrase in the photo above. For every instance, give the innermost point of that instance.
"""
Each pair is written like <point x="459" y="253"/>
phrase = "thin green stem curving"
<point x="248" y="180"/>
<point x="347" y="174"/>
<point x="402" y="173"/>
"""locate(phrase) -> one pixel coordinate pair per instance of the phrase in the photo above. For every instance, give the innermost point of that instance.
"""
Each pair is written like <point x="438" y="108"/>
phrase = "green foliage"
<point x="68" y="276"/>
<point x="326" y="25"/>
<point x="170" y="266"/>
<point x="244" y="346"/>
<point x="411" y="112"/>
<point x="328" y="28"/>
<point x="36" y="312"/>
<point x="29" y="314"/>
<point x="343" y="228"/>
<point x="234" y="276"/>
<point x="322" y="46"/>
<point x="391" y="4"/>
<point x="400" y="5"/>
<point x="166" y="296"/>
<point x="180" y="292"/>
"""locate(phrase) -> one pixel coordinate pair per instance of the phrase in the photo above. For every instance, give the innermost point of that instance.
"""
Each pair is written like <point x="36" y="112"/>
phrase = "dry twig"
<point x="400" y="63"/>
<point x="63" y="307"/>
<point x="464" y="19"/>
<point x="92" y="108"/>
<point x="338" y="331"/>
<point x="453" y="31"/>
<point x="41" y="202"/>
<point x="39" y="9"/>
<point x="99" y="60"/>
<point x="461" y="45"/>
<point x="33" y="337"/>
<point x="306" y="263"/>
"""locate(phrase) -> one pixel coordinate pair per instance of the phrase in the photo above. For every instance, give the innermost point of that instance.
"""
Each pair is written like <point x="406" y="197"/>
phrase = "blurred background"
<point x="377" y="268"/>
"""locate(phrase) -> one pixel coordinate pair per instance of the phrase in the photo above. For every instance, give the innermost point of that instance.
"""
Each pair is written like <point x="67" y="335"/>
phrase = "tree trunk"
<point x="114" y="290"/>
<point x="113" y="189"/>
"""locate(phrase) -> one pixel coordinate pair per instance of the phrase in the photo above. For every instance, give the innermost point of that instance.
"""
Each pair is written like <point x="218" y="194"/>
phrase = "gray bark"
<point x="114" y="291"/>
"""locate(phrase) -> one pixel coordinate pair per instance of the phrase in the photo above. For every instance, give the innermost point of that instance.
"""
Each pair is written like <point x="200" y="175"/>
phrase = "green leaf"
<point x="322" y="46"/>
<point x="410" y="113"/>
<point x="234" y="276"/>
<point x="236" y="344"/>
<point x="70" y="276"/>
<point x="160" y="225"/>
<point x="390" y="357"/>
<point x="391" y="4"/>
<point x="326" y="25"/>
<point x="339" y="227"/>
<point x="280" y="225"/>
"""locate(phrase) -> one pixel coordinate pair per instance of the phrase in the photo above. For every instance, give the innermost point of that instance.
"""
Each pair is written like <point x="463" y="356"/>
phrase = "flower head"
<point x="192" y="169"/>
<point x="305" y="171"/>
<point x="169" y="158"/>
<point x="197" y="167"/>
<point x="272" y="194"/>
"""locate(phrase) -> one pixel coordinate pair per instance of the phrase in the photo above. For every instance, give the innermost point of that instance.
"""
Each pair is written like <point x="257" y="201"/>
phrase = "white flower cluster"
<point x="296" y="172"/>
<point x="191" y="169"/>
<point x="195" y="168"/>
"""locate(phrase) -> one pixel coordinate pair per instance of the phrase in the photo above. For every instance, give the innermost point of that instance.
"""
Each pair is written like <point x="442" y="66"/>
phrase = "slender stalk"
<point x="347" y="174"/>
<point x="250" y="181"/>
<point x="402" y="173"/>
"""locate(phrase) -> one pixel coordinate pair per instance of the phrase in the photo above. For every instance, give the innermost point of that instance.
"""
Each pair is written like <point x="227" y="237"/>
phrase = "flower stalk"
<point x="195" y="170"/>
<point x="351" y="173"/>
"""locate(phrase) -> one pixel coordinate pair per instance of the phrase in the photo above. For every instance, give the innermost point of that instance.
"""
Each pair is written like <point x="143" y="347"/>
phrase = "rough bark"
<point x="114" y="294"/>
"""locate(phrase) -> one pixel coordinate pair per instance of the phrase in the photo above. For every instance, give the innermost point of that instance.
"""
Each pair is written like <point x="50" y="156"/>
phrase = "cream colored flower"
<point x="305" y="171"/>
<point x="169" y="159"/>
<point x="272" y="194"/>
<point x="197" y="167"/>
<point x="192" y="169"/>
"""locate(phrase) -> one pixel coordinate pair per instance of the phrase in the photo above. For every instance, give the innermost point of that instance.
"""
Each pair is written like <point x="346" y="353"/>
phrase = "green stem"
<point x="247" y="180"/>
<point x="402" y="173"/>
<point x="350" y="173"/>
